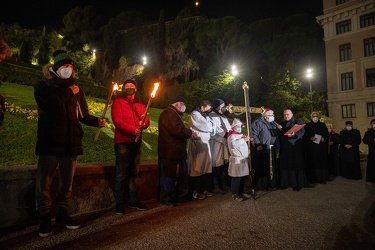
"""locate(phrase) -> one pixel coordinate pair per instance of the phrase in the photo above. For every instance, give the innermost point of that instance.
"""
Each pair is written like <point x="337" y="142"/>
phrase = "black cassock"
<point x="316" y="153"/>
<point x="334" y="168"/>
<point x="292" y="166"/>
<point x="369" y="140"/>
<point x="349" y="157"/>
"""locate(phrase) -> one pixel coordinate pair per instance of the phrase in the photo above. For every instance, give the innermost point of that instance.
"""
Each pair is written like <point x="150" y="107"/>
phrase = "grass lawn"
<point x="18" y="133"/>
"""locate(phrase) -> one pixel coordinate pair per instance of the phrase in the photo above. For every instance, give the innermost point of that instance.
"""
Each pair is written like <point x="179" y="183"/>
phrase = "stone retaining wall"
<point x="92" y="191"/>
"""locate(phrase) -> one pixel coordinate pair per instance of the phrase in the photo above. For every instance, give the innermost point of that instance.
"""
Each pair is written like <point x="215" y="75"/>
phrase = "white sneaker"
<point x="247" y="196"/>
<point x="236" y="197"/>
<point x="208" y="194"/>
<point x="199" y="196"/>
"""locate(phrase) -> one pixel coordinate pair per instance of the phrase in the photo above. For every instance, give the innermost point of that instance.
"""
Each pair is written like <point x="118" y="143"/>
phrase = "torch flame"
<point x="115" y="86"/>
<point x="156" y="86"/>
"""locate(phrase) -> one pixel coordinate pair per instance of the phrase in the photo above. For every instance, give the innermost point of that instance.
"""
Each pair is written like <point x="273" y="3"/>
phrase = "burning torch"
<point x="152" y="96"/>
<point x="114" y="88"/>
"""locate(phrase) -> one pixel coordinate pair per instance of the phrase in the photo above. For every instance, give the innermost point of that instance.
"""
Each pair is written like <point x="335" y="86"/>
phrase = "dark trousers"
<point x="173" y="180"/>
<point x="237" y="185"/>
<point x="127" y="161"/>
<point x="47" y="165"/>
<point x="217" y="175"/>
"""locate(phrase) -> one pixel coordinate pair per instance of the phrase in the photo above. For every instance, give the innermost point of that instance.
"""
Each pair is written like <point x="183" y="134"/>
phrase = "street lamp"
<point x="144" y="60"/>
<point x="234" y="70"/>
<point x="309" y="75"/>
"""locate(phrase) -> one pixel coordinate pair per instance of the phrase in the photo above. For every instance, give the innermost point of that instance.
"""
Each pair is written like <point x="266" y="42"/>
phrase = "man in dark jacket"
<point x="350" y="139"/>
<point x="173" y="174"/>
<point x="61" y="108"/>
<point x="264" y="132"/>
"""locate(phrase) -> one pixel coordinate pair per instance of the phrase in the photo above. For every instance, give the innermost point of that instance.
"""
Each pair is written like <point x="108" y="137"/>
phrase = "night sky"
<point x="32" y="14"/>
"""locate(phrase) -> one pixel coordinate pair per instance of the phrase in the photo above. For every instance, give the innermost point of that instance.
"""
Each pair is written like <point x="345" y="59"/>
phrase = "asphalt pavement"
<point x="336" y="215"/>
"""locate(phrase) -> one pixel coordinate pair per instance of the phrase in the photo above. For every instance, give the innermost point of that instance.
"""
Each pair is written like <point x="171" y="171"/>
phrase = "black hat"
<point x="131" y="80"/>
<point x="60" y="57"/>
<point x="216" y="103"/>
<point x="349" y="122"/>
<point x="177" y="99"/>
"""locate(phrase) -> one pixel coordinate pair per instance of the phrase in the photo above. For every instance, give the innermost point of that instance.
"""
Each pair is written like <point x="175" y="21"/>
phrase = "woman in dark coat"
<point x="369" y="139"/>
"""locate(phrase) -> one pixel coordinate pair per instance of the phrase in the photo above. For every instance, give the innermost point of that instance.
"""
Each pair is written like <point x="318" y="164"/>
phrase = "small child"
<point x="238" y="160"/>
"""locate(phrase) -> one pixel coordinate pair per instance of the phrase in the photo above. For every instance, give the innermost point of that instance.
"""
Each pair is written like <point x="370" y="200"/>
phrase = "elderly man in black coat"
<point x="172" y="154"/>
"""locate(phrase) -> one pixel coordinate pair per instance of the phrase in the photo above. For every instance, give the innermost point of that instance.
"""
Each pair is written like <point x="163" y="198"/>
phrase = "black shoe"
<point x="168" y="203"/>
<point x="138" y="205"/>
<point x="120" y="210"/>
<point x="63" y="219"/>
<point x="185" y="198"/>
<point x="45" y="227"/>
<point x="297" y="189"/>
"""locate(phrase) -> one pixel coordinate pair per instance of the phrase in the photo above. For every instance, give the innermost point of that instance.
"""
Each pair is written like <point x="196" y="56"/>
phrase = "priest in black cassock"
<point x="292" y="166"/>
<point x="316" y="143"/>
<point x="350" y="139"/>
<point x="369" y="139"/>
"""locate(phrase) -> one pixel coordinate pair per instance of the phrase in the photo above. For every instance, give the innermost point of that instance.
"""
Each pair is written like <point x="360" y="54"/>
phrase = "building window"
<point x="348" y="111"/>
<point x="344" y="26"/>
<point x="367" y="20"/>
<point x="370" y="77"/>
<point x="369" y="45"/>
<point x="338" y="2"/>
<point x="347" y="81"/>
<point x="345" y="52"/>
<point x="371" y="109"/>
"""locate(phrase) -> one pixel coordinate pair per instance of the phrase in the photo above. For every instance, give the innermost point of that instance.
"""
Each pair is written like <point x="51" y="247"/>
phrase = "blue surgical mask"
<point x="238" y="130"/>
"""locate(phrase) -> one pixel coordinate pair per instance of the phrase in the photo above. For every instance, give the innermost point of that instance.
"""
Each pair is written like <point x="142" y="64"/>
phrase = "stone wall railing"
<point x="92" y="191"/>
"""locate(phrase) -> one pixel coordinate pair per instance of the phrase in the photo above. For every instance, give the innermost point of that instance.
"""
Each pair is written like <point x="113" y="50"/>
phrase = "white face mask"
<point x="183" y="108"/>
<point x="271" y="118"/>
<point x="329" y="130"/>
<point x="315" y="119"/>
<point x="348" y="128"/>
<point x="373" y="126"/>
<point x="66" y="72"/>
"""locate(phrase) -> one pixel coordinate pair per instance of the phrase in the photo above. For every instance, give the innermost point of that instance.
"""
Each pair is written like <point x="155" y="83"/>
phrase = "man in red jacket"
<point x="127" y="113"/>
